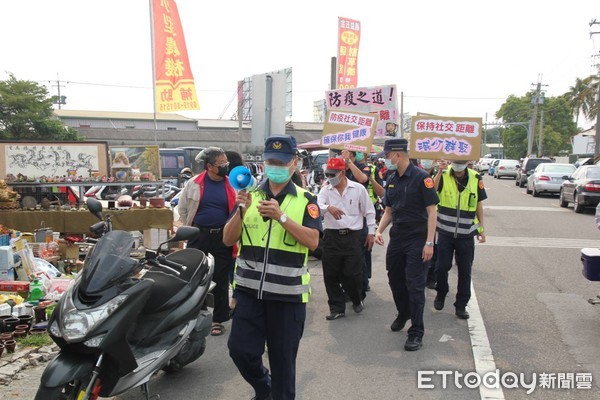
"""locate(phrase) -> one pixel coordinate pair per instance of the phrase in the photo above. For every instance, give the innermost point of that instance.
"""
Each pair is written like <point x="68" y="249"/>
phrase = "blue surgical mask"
<point x="277" y="174"/>
<point x="360" y="157"/>
<point x="390" y="165"/>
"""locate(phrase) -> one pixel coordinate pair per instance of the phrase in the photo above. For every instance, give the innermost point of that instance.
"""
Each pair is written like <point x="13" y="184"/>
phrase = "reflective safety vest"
<point x="456" y="209"/>
<point x="271" y="264"/>
<point x="372" y="194"/>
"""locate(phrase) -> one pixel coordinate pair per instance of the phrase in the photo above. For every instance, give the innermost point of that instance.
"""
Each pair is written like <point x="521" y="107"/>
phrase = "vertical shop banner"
<point x="349" y="130"/>
<point x="175" y="89"/>
<point x="380" y="100"/>
<point x="451" y="138"/>
<point x="348" y="41"/>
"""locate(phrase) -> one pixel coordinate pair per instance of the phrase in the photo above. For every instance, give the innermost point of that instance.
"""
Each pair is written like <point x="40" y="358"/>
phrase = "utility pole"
<point x="597" y="138"/>
<point x="540" y="143"/>
<point x="59" y="99"/>
<point x="536" y="99"/>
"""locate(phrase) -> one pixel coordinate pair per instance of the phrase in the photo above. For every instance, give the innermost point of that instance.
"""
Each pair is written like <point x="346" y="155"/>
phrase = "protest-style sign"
<point x="379" y="100"/>
<point x="452" y="138"/>
<point x="352" y="131"/>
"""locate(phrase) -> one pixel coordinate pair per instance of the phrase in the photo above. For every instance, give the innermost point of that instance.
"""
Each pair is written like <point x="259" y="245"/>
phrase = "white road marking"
<point x="482" y="352"/>
<point x="446" y="338"/>
<point x="557" y="243"/>
<point x="525" y="208"/>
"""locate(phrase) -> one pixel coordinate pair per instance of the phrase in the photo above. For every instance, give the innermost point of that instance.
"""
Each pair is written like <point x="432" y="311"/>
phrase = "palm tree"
<point x="582" y="97"/>
<point x="593" y="85"/>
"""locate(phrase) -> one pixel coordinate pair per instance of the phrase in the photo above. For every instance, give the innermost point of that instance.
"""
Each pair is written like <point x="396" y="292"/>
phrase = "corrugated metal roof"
<point x="119" y="115"/>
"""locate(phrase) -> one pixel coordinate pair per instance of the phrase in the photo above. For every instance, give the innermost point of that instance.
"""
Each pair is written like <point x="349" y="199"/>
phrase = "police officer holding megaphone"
<point x="276" y="225"/>
<point x="242" y="179"/>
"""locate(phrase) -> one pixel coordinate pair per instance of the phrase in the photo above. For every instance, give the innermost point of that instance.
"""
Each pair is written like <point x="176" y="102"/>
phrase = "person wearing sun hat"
<point x="276" y="226"/>
<point x="410" y="206"/>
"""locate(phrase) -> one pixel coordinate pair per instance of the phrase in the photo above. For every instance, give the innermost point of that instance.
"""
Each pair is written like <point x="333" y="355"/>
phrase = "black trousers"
<point x="342" y="262"/>
<point x="407" y="275"/>
<point x="212" y="243"/>
<point x="279" y="324"/>
<point x="464" y="250"/>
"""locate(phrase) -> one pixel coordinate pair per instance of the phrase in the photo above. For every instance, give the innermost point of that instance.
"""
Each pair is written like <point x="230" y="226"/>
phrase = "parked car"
<point x="526" y="168"/>
<point x="506" y="168"/>
<point x="548" y="178"/>
<point x="483" y="164"/>
<point x="493" y="165"/>
<point x="582" y="188"/>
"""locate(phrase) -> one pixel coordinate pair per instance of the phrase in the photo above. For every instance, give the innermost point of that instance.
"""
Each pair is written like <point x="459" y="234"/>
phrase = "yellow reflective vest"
<point x="456" y="209"/>
<point x="271" y="264"/>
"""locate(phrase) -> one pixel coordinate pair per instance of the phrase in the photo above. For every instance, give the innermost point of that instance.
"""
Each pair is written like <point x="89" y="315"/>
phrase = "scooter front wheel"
<point x="70" y="391"/>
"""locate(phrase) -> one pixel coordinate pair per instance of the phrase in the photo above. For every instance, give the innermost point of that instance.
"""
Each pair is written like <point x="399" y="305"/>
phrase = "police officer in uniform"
<point x="276" y="226"/>
<point x="460" y="219"/>
<point x="410" y="205"/>
<point x="429" y="166"/>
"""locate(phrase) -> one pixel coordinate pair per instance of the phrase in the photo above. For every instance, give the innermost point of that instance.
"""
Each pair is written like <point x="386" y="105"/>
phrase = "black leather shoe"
<point x="358" y="307"/>
<point x="413" y="343"/>
<point x="462" y="313"/>
<point x="399" y="323"/>
<point x="438" y="303"/>
<point x="269" y="397"/>
<point x="335" y="315"/>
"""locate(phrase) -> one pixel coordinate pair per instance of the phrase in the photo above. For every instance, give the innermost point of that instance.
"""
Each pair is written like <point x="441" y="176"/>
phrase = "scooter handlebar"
<point x="176" y="266"/>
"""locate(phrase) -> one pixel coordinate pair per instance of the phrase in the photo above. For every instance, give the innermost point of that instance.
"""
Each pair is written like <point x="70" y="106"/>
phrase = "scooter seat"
<point x="165" y="288"/>
<point x="169" y="289"/>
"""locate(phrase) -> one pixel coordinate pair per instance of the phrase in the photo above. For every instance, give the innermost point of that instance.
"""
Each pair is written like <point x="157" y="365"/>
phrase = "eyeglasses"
<point x="221" y="165"/>
<point x="330" y="175"/>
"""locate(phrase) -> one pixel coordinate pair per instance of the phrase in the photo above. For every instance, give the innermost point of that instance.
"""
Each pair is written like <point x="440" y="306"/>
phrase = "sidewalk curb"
<point x="12" y="364"/>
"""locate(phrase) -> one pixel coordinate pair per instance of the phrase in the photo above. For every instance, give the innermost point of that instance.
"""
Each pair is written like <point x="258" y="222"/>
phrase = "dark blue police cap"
<point x="395" y="145"/>
<point x="282" y="148"/>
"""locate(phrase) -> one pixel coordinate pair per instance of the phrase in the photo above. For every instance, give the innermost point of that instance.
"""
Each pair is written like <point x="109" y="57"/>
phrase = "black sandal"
<point x="217" y="330"/>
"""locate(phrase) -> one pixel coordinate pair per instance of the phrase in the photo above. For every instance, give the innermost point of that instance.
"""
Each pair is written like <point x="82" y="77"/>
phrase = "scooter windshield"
<point x="108" y="262"/>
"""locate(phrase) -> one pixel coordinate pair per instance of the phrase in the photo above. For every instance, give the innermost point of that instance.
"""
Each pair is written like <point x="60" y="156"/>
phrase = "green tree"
<point x="582" y="97"/>
<point x="26" y="113"/>
<point x="558" y="125"/>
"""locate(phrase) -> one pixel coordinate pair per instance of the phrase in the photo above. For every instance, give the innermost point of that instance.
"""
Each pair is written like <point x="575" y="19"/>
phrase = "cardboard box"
<point x="68" y="251"/>
<point x="153" y="237"/>
<point x="14" y="286"/>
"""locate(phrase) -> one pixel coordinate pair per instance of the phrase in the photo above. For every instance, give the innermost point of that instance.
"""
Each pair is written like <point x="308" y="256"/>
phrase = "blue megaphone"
<point x="241" y="178"/>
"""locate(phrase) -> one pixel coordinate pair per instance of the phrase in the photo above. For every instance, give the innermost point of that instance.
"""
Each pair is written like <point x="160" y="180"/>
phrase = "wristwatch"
<point x="283" y="219"/>
<point x="430" y="244"/>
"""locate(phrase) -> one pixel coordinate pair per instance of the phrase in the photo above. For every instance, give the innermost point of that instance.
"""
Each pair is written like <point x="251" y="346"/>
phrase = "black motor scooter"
<point x="123" y="319"/>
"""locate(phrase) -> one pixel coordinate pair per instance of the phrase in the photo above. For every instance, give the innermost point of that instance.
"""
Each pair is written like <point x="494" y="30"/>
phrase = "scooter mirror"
<point x="95" y="207"/>
<point x="185" y="233"/>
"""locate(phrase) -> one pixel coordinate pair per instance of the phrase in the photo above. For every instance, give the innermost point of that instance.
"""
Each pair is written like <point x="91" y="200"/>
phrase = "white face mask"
<point x="334" y="181"/>
<point x="427" y="164"/>
<point x="459" y="167"/>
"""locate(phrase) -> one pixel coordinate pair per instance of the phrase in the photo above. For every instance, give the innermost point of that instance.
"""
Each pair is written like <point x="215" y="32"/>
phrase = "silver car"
<point x="548" y="178"/>
<point x="506" y="168"/>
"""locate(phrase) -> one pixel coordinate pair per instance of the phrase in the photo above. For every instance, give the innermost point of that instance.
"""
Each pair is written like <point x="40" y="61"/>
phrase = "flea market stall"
<point x="44" y="221"/>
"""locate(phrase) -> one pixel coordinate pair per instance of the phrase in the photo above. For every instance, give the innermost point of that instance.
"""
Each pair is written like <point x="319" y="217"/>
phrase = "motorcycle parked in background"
<point x="124" y="319"/>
